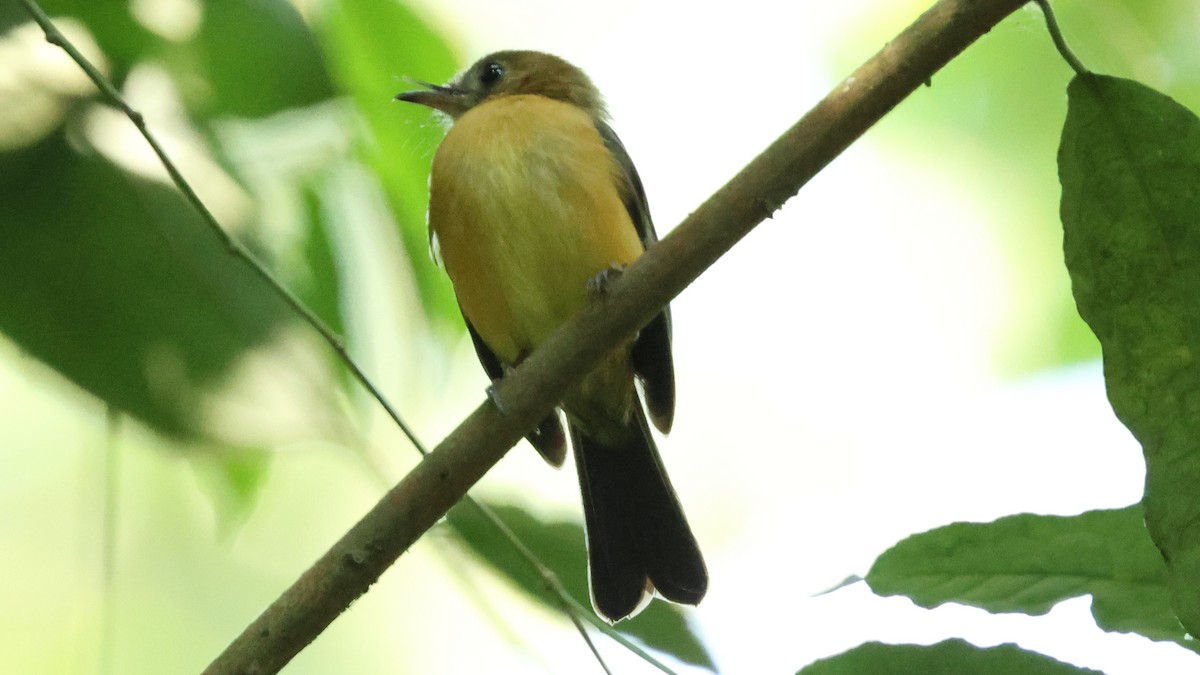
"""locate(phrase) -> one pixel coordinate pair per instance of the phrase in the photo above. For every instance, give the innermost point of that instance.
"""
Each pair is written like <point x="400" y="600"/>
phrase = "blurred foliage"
<point x="952" y="657"/>
<point x="249" y="59"/>
<point x="113" y="281"/>
<point x="559" y="546"/>
<point x="1029" y="563"/>
<point x="233" y="479"/>
<point x="145" y="310"/>
<point x="366" y="58"/>
<point x="321" y="289"/>
<point x="1130" y="167"/>
<point x="121" y="288"/>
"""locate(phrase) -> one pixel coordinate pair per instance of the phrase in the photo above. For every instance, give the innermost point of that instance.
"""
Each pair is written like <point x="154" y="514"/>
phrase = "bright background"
<point x="895" y="350"/>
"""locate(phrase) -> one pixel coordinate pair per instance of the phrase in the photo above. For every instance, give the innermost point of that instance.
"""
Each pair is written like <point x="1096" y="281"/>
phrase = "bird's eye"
<point x="491" y="74"/>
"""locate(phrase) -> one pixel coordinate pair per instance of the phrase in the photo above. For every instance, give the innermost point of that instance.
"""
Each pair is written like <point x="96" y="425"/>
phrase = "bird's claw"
<point x="599" y="284"/>
<point x="494" y="397"/>
<point x="491" y="389"/>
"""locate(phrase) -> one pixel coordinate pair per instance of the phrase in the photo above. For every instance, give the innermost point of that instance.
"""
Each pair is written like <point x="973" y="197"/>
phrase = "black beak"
<point x="448" y="99"/>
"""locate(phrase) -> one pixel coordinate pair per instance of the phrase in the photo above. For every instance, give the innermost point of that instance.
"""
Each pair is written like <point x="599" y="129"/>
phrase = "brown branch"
<point x="443" y="477"/>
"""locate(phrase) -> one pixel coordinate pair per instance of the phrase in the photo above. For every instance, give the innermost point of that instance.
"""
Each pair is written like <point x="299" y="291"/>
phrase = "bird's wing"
<point x="548" y="438"/>
<point x="652" y="361"/>
<point x="487" y="358"/>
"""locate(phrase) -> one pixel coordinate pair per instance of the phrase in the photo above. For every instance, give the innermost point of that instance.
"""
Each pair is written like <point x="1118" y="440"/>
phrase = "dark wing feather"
<point x="653" y="364"/>
<point x="632" y="192"/>
<point x="548" y="438"/>
<point x="652" y="361"/>
<point x="487" y="358"/>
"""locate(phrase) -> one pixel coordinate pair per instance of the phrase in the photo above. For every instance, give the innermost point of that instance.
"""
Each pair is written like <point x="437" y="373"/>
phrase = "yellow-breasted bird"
<point x="533" y="201"/>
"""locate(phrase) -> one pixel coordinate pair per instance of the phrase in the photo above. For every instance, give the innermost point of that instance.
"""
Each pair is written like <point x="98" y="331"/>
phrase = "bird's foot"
<point x="493" y="395"/>
<point x="599" y="284"/>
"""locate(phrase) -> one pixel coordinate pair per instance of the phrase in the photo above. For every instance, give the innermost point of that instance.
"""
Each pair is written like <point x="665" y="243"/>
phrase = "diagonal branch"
<point x="443" y="477"/>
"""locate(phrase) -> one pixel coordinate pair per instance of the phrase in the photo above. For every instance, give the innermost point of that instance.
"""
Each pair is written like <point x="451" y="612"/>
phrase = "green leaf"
<point x="560" y="547"/>
<point x="1129" y="164"/>
<point x="250" y="58"/>
<point x="373" y="45"/>
<point x="320" y="287"/>
<point x="1028" y="563"/>
<point x="116" y="283"/>
<point x="233" y="480"/>
<point x="952" y="657"/>
<point x="12" y="14"/>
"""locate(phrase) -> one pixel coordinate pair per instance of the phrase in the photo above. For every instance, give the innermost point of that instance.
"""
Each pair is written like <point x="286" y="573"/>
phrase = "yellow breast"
<point x="525" y="209"/>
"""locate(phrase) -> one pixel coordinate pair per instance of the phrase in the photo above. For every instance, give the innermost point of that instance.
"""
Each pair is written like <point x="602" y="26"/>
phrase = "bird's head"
<point x="510" y="73"/>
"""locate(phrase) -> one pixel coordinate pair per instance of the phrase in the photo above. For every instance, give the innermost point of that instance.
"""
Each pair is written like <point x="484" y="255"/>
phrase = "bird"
<point x="534" y="207"/>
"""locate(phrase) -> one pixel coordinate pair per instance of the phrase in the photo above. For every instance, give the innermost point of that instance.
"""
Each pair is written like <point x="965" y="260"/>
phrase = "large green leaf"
<point x="952" y="657"/>
<point x="253" y="58"/>
<point x="560" y="547"/>
<point x="373" y="46"/>
<point x="1130" y="170"/>
<point x="1028" y="563"/>
<point x="115" y="282"/>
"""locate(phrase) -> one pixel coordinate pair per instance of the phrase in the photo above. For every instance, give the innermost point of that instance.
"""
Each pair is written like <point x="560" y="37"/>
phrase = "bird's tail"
<point x="638" y="537"/>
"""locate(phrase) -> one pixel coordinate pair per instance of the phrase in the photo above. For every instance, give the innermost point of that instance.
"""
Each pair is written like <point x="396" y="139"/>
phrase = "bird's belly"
<point x="515" y="287"/>
<point x="526" y="212"/>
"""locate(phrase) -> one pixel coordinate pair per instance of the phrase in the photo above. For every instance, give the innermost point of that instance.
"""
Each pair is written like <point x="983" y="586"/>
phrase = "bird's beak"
<point x="448" y="99"/>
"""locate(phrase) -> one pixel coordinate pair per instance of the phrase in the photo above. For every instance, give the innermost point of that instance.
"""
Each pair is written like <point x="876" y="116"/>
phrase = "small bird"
<point x="534" y="204"/>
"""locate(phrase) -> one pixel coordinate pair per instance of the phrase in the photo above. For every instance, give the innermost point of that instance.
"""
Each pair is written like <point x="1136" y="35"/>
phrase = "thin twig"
<point x="352" y="564"/>
<point x="1059" y="41"/>
<point x="235" y="248"/>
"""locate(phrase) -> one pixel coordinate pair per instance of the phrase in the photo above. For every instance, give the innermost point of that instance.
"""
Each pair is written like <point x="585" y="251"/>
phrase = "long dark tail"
<point x="638" y="537"/>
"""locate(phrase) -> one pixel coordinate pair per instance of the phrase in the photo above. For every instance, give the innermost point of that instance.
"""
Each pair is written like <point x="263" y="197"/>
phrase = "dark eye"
<point x="491" y="74"/>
